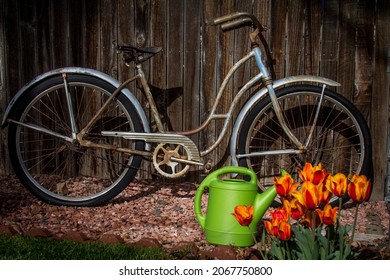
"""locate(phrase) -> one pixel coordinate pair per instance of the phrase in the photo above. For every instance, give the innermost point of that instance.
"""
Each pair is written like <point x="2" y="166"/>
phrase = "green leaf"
<point x="277" y="250"/>
<point x="306" y="242"/>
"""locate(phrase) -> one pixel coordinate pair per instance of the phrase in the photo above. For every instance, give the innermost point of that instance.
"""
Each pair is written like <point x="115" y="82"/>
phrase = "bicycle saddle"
<point x="138" y="55"/>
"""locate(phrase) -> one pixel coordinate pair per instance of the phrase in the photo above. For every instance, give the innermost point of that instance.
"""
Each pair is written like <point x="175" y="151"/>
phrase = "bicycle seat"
<point x="138" y="55"/>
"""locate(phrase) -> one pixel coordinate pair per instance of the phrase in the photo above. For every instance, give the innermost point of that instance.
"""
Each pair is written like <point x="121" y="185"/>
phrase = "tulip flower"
<point x="284" y="232"/>
<point x="324" y="194"/>
<point x="337" y="184"/>
<point x="285" y="185"/>
<point x="243" y="214"/>
<point x="271" y="227"/>
<point x="310" y="195"/>
<point x="281" y="214"/>
<point x="329" y="215"/>
<point x="359" y="189"/>
<point x="309" y="218"/>
<point x="278" y="216"/>
<point x="297" y="208"/>
<point x="315" y="175"/>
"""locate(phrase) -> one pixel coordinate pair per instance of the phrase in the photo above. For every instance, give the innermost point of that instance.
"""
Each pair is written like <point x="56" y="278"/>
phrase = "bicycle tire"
<point x="341" y="141"/>
<point x="64" y="173"/>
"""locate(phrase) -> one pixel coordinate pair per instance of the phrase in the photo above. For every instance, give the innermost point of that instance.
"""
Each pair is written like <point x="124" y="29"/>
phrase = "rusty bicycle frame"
<point x="181" y="139"/>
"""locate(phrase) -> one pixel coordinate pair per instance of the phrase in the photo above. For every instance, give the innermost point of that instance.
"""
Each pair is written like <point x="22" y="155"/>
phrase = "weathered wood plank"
<point x="42" y="39"/>
<point x="210" y="72"/>
<point x="226" y="55"/>
<point x="278" y="39"/>
<point x="91" y="34"/>
<point x="4" y="96"/>
<point x="12" y="46"/>
<point x="380" y="100"/>
<point x="108" y="35"/>
<point x="314" y="14"/>
<point x="329" y="48"/>
<point x="364" y="56"/>
<point x="59" y="32"/>
<point x="158" y="73"/>
<point x="175" y="60"/>
<point x="192" y="59"/>
<point x="348" y="14"/>
<point x="295" y="52"/>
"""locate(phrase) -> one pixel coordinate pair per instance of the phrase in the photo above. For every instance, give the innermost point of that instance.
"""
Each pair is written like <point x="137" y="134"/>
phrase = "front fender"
<point x="77" y="70"/>
<point x="259" y="95"/>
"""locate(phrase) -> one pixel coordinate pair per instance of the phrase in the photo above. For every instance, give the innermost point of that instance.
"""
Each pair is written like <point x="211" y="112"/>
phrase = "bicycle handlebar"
<point x="236" y="19"/>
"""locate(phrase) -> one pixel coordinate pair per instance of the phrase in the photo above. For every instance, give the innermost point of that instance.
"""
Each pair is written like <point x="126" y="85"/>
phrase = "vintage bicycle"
<point x="77" y="136"/>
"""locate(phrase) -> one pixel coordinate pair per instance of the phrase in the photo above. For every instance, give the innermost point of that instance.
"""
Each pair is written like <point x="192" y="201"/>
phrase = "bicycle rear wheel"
<point x="63" y="172"/>
<point x="340" y="140"/>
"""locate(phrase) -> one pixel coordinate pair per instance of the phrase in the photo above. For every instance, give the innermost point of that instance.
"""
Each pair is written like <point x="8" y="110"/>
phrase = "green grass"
<point x="30" y="248"/>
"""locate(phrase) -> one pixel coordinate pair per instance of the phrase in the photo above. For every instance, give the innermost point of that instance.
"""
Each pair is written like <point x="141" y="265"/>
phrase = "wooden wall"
<point x="343" y="40"/>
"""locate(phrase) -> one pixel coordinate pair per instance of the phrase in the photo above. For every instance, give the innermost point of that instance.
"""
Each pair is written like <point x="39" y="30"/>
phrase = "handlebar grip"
<point x="235" y="23"/>
<point x="233" y="20"/>
<point x="228" y="17"/>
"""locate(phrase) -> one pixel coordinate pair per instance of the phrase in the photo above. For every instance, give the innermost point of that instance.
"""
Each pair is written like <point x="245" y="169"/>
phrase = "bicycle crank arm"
<point x="190" y="162"/>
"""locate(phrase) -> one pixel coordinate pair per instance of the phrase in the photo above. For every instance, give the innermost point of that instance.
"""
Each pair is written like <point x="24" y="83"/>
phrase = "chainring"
<point x="164" y="156"/>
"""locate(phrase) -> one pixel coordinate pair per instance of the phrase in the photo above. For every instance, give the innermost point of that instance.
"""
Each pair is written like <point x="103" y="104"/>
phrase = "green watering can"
<point x="224" y="195"/>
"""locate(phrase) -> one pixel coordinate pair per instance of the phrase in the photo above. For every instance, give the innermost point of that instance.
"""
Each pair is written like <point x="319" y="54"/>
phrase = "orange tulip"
<point x="324" y="194"/>
<point x="284" y="232"/>
<point x="278" y="216"/>
<point x="281" y="214"/>
<point x="315" y="175"/>
<point x="285" y="185"/>
<point x="313" y="195"/>
<point x="310" y="195"/>
<point x="329" y="215"/>
<point x="280" y="229"/>
<point x="271" y="228"/>
<point x="297" y="208"/>
<point x="359" y="189"/>
<point x="243" y="214"/>
<point x="308" y="219"/>
<point x="337" y="184"/>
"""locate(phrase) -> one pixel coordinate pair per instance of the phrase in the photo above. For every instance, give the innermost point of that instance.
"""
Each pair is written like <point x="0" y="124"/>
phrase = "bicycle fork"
<point x="267" y="81"/>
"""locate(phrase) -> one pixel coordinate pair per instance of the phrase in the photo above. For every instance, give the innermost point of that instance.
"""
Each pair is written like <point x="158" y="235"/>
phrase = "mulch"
<point x="151" y="213"/>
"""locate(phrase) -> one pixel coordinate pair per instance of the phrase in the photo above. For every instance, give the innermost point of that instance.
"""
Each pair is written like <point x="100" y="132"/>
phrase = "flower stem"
<point x="340" y="206"/>
<point x="354" y="222"/>
<point x="288" y="250"/>
<point x="328" y="241"/>
<point x="257" y="244"/>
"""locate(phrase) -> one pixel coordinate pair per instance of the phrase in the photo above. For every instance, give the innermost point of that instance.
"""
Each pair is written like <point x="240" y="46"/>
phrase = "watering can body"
<point x="218" y="223"/>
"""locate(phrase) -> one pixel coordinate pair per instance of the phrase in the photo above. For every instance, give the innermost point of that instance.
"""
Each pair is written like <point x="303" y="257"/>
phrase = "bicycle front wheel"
<point x="339" y="139"/>
<point x="61" y="171"/>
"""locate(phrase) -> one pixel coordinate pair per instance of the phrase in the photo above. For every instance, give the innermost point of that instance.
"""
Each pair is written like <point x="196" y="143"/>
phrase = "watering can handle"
<point x="214" y="176"/>
<point x="235" y="170"/>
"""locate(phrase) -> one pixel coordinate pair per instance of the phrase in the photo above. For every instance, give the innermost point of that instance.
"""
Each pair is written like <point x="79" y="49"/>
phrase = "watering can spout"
<point x="262" y="202"/>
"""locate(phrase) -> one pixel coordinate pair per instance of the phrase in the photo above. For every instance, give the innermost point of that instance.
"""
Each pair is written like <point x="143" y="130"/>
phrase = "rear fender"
<point x="77" y="70"/>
